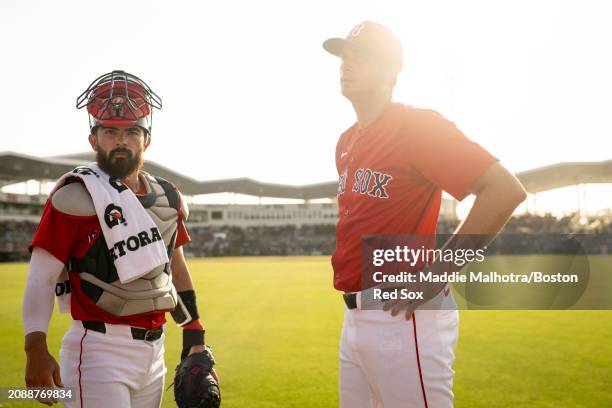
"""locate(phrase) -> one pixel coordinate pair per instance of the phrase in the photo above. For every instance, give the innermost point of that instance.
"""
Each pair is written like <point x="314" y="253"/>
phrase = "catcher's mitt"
<point x="194" y="385"/>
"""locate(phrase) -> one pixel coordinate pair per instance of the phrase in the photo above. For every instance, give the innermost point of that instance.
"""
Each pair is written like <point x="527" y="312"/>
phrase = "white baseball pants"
<point x="111" y="369"/>
<point x="392" y="362"/>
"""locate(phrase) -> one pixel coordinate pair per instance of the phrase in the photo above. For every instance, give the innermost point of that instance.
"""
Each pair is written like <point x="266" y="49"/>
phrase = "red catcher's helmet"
<point x="119" y="99"/>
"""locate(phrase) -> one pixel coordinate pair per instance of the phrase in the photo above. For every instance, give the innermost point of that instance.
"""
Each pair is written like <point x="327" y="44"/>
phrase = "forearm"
<point x="496" y="199"/>
<point x="490" y="211"/>
<point x="498" y="192"/>
<point x="186" y="312"/>
<point x="180" y="275"/>
<point x="38" y="299"/>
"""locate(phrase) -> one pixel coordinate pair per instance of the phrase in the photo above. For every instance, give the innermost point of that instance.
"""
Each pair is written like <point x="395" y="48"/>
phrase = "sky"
<point x="248" y="90"/>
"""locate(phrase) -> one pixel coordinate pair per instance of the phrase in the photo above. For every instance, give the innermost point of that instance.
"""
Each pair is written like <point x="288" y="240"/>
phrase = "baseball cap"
<point x="372" y="38"/>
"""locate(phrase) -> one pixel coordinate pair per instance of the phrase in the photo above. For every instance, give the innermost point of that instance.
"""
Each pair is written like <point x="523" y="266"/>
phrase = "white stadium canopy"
<point x="17" y="167"/>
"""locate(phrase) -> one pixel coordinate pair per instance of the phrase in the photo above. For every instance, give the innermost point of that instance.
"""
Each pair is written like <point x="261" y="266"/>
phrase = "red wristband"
<point x="195" y="325"/>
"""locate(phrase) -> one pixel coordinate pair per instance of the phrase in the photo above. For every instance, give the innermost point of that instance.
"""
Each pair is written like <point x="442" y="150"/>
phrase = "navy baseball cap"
<point x="372" y="38"/>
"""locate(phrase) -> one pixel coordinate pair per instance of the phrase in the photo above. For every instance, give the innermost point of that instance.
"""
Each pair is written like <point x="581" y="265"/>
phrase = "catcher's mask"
<point x="119" y="99"/>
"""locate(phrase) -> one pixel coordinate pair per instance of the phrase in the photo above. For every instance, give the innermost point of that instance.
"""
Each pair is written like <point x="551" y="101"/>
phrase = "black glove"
<point x="194" y="385"/>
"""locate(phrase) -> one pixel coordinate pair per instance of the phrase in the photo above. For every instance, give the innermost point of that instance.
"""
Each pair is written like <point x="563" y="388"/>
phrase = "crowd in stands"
<point x="255" y="241"/>
<point x="569" y="234"/>
<point x="15" y="236"/>
<point x="320" y="239"/>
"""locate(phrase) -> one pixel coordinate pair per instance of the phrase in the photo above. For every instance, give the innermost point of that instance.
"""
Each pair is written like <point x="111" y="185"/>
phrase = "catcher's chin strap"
<point x="186" y="316"/>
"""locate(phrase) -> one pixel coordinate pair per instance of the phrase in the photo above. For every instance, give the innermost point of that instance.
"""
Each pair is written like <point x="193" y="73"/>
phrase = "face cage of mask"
<point x="117" y="85"/>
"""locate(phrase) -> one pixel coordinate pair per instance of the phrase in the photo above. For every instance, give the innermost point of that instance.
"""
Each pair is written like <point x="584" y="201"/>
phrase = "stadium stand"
<point x="281" y="229"/>
<point x="16" y="236"/>
<point x="319" y="239"/>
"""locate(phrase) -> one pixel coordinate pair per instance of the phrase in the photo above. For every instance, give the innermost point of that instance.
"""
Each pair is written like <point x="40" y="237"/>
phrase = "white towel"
<point x="132" y="237"/>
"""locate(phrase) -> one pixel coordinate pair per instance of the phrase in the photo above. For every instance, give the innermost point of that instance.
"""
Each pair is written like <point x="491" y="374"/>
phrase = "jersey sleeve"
<point x="56" y="233"/>
<point x="444" y="155"/>
<point x="182" y="236"/>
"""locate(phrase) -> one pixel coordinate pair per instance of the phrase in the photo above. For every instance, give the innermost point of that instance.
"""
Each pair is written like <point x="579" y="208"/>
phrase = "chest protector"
<point x="150" y="293"/>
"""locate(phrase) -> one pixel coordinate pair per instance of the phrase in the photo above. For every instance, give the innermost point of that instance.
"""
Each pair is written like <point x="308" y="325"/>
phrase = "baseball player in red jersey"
<point x="393" y="164"/>
<point x="109" y="245"/>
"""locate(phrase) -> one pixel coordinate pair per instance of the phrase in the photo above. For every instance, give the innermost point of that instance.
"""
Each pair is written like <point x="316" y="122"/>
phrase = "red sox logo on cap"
<point x="371" y="38"/>
<point x="356" y="30"/>
<point x="118" y="106"/>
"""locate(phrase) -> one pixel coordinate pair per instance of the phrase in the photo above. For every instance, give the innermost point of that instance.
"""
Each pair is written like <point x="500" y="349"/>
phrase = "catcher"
<point x="109" y="245"/>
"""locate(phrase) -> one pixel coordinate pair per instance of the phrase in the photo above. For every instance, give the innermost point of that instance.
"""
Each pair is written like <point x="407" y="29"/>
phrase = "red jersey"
<point x="68" y="236"/>
<point x="392" y="174"/>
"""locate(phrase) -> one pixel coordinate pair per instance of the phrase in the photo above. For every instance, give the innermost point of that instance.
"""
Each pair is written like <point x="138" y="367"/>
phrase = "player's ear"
<point x="147" y="141"/>
<point x="389" y="75"/>
<point x="93" y="141"/>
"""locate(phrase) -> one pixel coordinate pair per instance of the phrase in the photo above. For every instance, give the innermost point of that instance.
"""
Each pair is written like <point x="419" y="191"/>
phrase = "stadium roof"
<point x="566" y="174"/>
<point x="17" y="167"/>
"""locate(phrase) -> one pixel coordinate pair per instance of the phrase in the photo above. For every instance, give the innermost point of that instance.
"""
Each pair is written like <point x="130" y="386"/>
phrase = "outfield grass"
<point x="274" y="324"/>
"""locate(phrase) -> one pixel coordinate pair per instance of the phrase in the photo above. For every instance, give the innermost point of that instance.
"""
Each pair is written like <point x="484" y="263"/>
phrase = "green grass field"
<point x="274" y="324"/>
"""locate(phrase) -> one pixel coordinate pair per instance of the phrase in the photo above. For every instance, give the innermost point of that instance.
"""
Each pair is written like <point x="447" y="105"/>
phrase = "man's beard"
<point x="121" y="167"/>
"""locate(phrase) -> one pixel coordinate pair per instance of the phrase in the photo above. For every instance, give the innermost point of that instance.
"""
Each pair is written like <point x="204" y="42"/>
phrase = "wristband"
<point x="192" y="337"/>
<point x="186" y="310"/>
